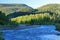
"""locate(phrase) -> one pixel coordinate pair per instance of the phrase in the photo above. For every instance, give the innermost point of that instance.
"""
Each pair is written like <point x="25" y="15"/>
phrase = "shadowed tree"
<point x="2" y="18"/>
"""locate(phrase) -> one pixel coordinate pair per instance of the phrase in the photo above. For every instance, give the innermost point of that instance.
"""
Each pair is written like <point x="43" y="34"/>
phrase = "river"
<point x="36" y="32"/>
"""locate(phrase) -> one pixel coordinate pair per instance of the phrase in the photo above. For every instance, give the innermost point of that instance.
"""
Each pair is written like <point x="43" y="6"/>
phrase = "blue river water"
<point x="40" y="32"/>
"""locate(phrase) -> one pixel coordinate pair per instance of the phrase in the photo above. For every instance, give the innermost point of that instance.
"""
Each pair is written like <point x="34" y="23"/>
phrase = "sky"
<point x="31" y="3"/>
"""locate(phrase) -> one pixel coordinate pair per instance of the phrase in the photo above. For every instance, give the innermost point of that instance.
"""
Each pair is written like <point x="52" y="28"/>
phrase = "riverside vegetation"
<point x="1" y="38"/>
<point x="45" y="15"/>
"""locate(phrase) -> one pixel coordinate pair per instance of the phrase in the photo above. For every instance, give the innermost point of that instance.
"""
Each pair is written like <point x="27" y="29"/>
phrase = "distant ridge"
<point x="11" y="8"/>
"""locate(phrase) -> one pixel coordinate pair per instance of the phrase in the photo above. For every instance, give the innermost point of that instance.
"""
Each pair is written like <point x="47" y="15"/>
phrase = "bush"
<point x="57" y="26"/>
<point x="2" y="38"/>
<point x="1" y="33"/>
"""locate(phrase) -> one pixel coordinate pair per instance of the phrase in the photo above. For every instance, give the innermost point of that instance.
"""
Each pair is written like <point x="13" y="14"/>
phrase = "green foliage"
<point x="2" y="18"/>
<point x="4" y="22"/>
<point x="57" y="26"/>
<point x="34" y="19"/>
<point x="1" y="33"/>
<point x="2" y="15"/>
<point x="2" y="38"/>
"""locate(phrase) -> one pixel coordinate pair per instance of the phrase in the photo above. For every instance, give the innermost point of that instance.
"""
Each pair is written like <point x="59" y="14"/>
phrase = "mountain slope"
<point x="55" y="8"/>
<point x="11" y="8"/>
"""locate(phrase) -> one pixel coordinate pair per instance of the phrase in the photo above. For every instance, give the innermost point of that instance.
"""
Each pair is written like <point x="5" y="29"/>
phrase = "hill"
<point x="54" y="8"/>
<point x="11" y="8"/>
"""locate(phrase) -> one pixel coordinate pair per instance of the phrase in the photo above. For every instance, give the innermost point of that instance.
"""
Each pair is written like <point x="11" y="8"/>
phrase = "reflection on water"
<point x="40" y="32"/>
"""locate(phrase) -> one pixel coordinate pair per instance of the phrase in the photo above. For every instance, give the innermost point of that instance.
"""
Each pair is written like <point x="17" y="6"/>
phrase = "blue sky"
<point x="32" y="3"/>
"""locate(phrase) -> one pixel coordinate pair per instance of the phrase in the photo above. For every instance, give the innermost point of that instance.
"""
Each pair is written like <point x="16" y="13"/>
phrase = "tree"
<point x="2" y="18"/>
